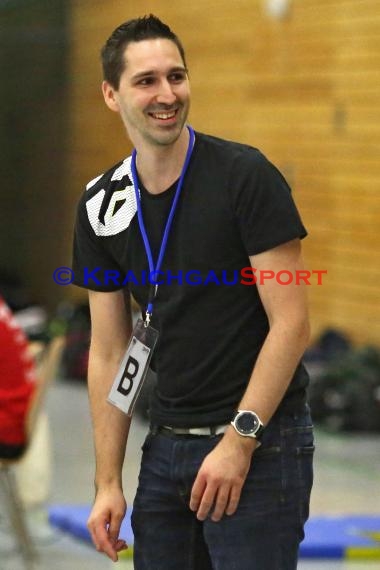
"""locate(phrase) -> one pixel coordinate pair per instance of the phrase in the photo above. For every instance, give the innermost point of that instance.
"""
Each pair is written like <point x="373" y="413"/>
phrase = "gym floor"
<point x="346" y="481"/>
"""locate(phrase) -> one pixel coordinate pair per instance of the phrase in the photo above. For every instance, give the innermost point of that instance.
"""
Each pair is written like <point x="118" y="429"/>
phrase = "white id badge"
<point x="133" y="368"/>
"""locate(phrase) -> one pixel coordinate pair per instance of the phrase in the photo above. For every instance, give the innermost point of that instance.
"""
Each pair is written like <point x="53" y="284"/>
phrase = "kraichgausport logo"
<point x="246" y="276"/>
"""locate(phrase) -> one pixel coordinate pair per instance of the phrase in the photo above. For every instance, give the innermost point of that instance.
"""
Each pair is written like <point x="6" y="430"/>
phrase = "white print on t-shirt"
<point x="115" y="220"/>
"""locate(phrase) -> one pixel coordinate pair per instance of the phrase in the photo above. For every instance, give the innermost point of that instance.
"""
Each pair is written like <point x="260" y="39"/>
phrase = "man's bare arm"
<point x="223" y="472"/>
<point x="289" y="330"/>
<point x="110" y="331"/>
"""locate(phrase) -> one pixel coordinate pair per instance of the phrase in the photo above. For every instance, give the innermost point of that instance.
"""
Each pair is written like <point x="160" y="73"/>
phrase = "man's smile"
<point x="164" y="115"/>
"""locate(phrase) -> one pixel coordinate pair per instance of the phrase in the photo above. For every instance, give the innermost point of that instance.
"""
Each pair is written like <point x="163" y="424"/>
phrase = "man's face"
<point x="154" y="94"/>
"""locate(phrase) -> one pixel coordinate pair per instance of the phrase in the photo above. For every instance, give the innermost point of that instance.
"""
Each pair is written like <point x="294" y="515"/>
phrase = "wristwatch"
<point x="248" y="424"/>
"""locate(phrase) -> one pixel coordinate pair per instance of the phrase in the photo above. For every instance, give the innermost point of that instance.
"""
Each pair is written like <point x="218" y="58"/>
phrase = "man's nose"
<point x="165" y="93"/>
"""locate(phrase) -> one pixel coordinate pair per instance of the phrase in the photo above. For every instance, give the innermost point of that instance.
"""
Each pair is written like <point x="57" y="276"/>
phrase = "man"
<point x="211" y="495"/>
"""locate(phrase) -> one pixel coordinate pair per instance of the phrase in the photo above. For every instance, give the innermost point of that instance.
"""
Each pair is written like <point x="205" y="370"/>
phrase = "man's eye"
<point x="146" y="81"/>
<point x="177" y="77"/>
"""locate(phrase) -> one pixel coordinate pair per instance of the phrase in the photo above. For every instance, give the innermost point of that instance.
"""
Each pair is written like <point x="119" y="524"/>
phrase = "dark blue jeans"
<point x="265" y="531"/>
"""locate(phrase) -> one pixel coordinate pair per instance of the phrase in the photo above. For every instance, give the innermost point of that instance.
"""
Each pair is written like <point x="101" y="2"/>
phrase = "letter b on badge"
<point x="130" y="372"/>
<point x="133" y="368"/>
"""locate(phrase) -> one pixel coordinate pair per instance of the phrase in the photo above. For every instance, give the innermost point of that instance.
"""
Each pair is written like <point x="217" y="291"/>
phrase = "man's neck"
<point x="159" y="167"/>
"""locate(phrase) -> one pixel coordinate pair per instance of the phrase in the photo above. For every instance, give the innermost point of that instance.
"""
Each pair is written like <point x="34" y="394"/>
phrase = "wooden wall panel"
<point x="304" y="89"/>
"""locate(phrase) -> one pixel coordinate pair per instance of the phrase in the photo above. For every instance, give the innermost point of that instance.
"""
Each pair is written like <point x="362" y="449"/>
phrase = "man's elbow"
<point x="295" y="327"/>
<point x="302" y="331"/>
<point x="105" y="355"/>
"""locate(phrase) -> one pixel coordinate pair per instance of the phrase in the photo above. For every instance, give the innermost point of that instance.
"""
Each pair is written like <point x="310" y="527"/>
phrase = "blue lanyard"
<point x="152" y="268"/>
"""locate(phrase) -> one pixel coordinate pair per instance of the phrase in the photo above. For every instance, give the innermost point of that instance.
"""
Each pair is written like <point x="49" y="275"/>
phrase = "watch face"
<point x="247" y="422"/>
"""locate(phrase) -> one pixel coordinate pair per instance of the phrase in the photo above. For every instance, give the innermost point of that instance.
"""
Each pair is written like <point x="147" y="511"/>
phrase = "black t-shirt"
<point x="234" y="203"/>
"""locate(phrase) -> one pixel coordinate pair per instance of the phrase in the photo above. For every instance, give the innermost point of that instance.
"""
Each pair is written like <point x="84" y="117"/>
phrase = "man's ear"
<point x="109" y="94"/>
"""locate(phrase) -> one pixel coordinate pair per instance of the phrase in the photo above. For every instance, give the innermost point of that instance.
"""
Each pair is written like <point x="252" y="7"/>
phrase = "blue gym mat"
<point x="348" y="537"/>
<point x="332" y="537"/>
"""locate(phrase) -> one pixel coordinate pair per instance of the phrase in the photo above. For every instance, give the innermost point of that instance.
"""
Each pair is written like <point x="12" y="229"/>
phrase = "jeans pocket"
<point x="305" y="450"/>
<point x="265" y="450"/>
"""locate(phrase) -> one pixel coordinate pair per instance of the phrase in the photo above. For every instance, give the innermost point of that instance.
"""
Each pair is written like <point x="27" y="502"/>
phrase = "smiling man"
<point x="226" y="471"/>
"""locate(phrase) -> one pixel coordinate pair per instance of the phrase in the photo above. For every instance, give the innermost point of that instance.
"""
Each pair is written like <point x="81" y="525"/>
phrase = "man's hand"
<point x="105" y="521"/>
<point x="221" y="477"/>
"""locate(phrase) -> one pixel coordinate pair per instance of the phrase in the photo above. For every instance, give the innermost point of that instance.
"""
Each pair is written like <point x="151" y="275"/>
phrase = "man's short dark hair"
<point x="136" y="30"/>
